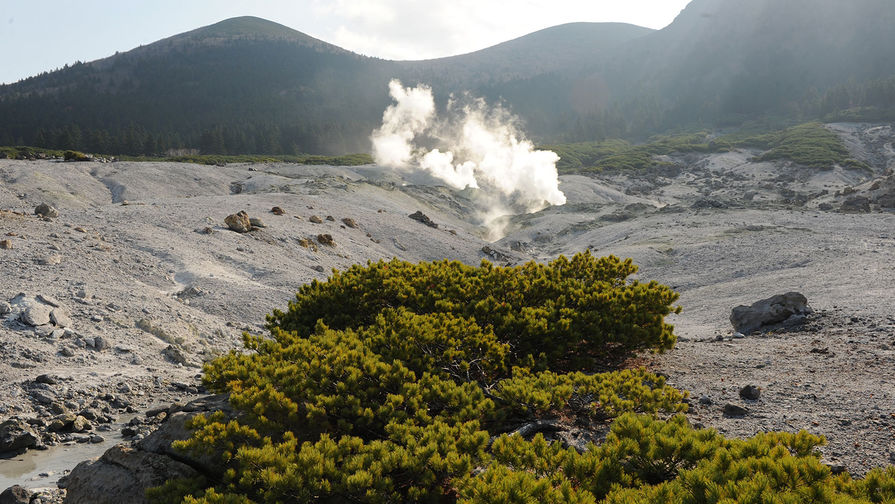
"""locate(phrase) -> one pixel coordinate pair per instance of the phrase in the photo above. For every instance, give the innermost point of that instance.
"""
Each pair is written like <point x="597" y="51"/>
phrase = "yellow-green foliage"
<point x="388" y="382"/>
<point x="559" y="316"/>
<point x="646" y="461"/>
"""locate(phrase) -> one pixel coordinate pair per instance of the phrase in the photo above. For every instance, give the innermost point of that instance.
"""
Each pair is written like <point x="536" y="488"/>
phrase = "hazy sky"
<point x="40" y="35"/>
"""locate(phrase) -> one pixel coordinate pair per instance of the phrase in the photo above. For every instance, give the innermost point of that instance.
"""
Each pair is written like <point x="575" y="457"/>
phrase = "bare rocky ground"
<point x="149" y="282"/>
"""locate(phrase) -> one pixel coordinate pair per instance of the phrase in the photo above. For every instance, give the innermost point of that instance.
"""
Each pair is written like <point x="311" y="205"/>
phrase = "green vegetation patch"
<point x="220" y="159"/>
<point x="809" y="144"/>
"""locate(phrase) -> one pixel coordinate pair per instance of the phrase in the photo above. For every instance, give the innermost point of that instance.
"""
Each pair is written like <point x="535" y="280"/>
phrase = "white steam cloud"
<point x="476" y="147"/>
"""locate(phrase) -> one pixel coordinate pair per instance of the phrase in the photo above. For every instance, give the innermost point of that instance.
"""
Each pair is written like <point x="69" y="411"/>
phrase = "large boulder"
<point x="122" y="474"/>
<point x="15" y="495"/>
<point x="125" y="471"/>
<point x="16" y="436"/>
<point x="787" y="310"/>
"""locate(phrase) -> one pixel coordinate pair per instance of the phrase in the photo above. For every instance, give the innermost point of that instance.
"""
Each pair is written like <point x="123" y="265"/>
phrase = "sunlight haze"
<point x="43" y="36"/>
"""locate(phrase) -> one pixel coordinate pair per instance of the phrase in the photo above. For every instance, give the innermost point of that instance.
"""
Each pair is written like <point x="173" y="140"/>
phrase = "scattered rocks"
<point x="239" y="222"/>
<point x="789" y="309"/>
<point x="750" y="392"/>
<point x="421" y="217"/>
<point x="856" y="204"/>
<point x="46" y="211"/>
<point x="308" y="244"/>
<point x="735" y="410"/>
<point x="326" y="239"/>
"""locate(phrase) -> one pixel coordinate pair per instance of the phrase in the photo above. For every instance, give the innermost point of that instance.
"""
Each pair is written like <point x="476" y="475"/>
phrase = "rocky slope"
<point x="110" y="307"/>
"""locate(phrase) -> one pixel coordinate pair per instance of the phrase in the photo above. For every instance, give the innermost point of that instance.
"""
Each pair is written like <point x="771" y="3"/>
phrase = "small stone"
<point x="326" y="239"/>
<point x="49" y="300"/>
<point x="706" y="400"/>
<point x="315" y="219"/>
<point x="750" y="392"/>
<point x="330" y="218"/>
<point x="318" y="267"/>
<point x="348" y="221"/>
<point x="421" y="217"/>
<point x="256" y="222"/>
<point x="80" y="229"/>
<point x="5" y="244"/>
<point x="47" y="379"/>
<point x="738" y="335"/>
<point x="66" y="352"/>
<point x="50" y="260"/>
<point x="277" y="211"/>
<point x="5" y="308"/>
<point x="80" y="424"/>
<point x="100" y="343"/>
<point x="239" y="222"/>
<point x="96" y="317"/>
<point x="45" y="210"/>
<point x="734" y="410"/>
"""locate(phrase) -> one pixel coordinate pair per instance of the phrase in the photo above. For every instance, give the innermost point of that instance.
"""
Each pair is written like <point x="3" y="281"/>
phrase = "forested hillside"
<point x="247" y="85"/>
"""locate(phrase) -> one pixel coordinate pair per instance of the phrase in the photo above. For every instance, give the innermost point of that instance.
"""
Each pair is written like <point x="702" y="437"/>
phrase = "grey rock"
<point x="100" y="343"/>
<point x="45" y="210"/>
<point x="59" y="318"/>
<point x="750" y="392"/>
<point x="856" y="204"/>
<point x="16" y="495"/>
<point x="122" y="474"/>
<point x="770" y="311"/>
<point x="5" y="308"/>
<point x="49" y="300"/>
<point x="256" y="222"/>
<point x="66" y="352"/>
<point x="46" y="379"/>
<point x="50" y="260"/>
<point x="735" y="410"/>
<point x="16" y="436"/>
<point x="35" y="314"/>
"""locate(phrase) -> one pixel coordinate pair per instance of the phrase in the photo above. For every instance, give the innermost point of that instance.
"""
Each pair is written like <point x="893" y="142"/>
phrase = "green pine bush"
<point x="396" y="382"/>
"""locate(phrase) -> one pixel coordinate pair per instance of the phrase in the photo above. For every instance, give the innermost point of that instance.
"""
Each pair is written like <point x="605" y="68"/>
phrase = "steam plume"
<point x="476" y="147"/>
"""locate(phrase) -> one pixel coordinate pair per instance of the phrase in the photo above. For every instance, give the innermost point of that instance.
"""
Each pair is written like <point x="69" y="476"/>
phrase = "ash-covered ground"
<point x="112" y="306"/>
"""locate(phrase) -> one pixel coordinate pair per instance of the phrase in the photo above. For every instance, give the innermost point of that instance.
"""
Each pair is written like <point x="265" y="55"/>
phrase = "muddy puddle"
<point x="43" y="468"/>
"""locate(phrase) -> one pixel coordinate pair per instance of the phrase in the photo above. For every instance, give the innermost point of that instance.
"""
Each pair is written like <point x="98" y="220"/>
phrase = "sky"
<point x="43" y="35"/>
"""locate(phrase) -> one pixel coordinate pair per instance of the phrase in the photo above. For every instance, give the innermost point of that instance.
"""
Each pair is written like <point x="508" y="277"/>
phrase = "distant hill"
<point x="246" y="85"/>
